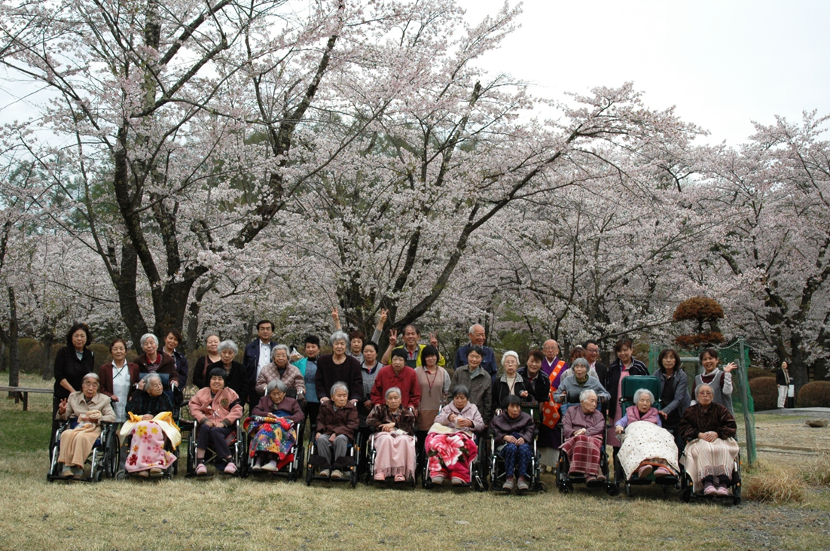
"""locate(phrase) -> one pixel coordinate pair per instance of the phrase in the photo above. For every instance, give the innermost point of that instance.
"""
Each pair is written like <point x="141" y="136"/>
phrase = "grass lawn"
<point x="224" y="513"/>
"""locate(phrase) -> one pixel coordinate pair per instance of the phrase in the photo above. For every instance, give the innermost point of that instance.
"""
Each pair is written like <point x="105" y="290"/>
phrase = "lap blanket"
<point x="646" y="442"/>
<point x="583" y="453"/>
<point x="147" y="448"/>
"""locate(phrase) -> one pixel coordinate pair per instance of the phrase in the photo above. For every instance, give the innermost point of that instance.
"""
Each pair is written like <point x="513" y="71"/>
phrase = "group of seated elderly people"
<point x="464" y="408"/>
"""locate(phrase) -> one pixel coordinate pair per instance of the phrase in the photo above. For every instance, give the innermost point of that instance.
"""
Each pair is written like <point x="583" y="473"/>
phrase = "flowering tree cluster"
<point x="200" y="165"/>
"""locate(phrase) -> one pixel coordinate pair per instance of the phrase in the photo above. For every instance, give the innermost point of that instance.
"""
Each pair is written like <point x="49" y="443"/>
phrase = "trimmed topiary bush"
<point x="755" y="372"/>
<point x="814" y="395"/>
<point x="764" y="393"/>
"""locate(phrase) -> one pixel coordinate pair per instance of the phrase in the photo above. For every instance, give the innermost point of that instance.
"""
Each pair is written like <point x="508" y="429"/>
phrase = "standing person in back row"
<point x="549" y="438"/>
<point x="258" y="354"/>
<point x="477" y="338"/>
<point x="414" y="350"/>
<point x="720" y="381"/>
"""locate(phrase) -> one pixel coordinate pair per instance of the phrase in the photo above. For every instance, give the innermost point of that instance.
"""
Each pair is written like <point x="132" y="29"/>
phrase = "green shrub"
<point x="764" y="393"/>
<point x="814" y="395"/>
<point x="755" y="372"/>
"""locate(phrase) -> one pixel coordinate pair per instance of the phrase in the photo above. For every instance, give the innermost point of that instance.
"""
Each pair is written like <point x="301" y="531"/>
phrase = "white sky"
<point x="722" y="63"/>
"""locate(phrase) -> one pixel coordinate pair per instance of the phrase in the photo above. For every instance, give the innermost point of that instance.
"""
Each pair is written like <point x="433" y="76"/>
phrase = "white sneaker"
<point x="257" y="464"/>
<point x="270" y="466"/>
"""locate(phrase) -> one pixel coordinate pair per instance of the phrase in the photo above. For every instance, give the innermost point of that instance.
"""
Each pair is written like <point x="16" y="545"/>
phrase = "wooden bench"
<point x="22" y="393"/>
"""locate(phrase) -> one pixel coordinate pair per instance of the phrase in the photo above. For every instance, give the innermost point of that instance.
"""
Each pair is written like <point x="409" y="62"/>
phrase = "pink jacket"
<point x="223" y="407"/>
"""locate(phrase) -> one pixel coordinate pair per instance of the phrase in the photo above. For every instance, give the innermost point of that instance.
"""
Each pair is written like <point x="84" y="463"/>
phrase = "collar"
<point x="518" y="379"/>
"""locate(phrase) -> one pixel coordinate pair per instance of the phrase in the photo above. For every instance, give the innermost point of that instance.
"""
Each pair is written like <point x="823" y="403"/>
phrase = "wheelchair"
<point x="292" y="469"/>
<point x="630" y="385"/>
<point x="565" y="481"/>
<point x="498" y="476"/>
<point x="102" y="461"/>
<point x="313" y="465"/>
<point x="371" y="457"/>
<point x="687" y="493"/>
<point x="176" y="397"/>
<point x="236" y="443"/>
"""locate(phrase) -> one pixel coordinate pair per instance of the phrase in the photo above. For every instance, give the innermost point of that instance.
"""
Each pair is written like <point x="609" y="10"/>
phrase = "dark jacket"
<point x="678" y="390"/>
<point x="613" y="382"/>
<point x="142" y="403"/>
<point x="69" y="367"/>
<point x="329" y="373"/>
<point x="166" y="365"/>
<point x="540" y="387"/>
<point x="781" y="377"/>
<point x="288" y="405"/>
<point x="182" y="367"/>
<point x="343" y="421"/>
<point x="105" y="375"/>
<point x="501" y="390"/>
<point x="237" y="379"/>
<point x="481" y="389"/>
<point x="717" y="418"/>
<point x="488" y="362"/>
<point x="502" y="425"/>
<point x="250" y="360"/>
<point x="602" y="371"/>
<point x="404" y="420"/>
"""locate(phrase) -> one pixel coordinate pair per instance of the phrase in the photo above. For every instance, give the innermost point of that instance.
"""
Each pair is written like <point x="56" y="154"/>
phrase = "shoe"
<point x="257" y="465"/>
<point x="67" y="472"/>
<point x="325" y="473"/>
<point x="600" y="478"/>
<point x="508" y="484"/>
<point x="230" y="468"/>
<point x="400" y="478"/>
<point x="201" y="470"/>
<point x="271" y="466"/>
<point x="78" y="472"/>
<point x="438" y="480"/>
<point x="644" y="471"/>
<point x="155" y="471"/>
<point x="379" y="476"/>
<point x="457" y="481"/>
<point x="662" y="471"/>
<point x="523" y="485"/>
<point x="589" y="478"/>
<point x="143" y="474"/>
<point x="709" y="489"/>
<point x="337" y="473"/>
<point x="722" y="491"/>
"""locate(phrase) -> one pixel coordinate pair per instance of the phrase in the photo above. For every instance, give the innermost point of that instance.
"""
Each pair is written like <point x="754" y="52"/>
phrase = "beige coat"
<point x="77" y="406"/>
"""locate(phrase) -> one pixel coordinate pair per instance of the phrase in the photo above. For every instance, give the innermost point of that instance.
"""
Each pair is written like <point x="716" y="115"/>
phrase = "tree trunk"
<point x="14" y="351"/>
<point x="47" y="362"/>
<point x="799" y="369"/>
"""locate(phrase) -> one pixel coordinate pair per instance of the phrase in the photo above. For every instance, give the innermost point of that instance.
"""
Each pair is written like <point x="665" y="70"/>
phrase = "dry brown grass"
<point x="774" y="483"/>
<point x="227" y="513"/>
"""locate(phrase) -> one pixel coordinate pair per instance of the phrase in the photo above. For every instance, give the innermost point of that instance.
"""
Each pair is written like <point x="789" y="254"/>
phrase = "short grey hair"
<point x="280" y="347"/>
<point x="640" y="392"/>
<point x="339" y="385"/>
<point x="390" y="391"/>
<point x="585" y="393"/>
<point x="146" y="336"/>
<point x="228" y="345"/>
<point x="338" y="336"/>
<point x="697" y="390"/>
<point x="473" y="328"/>
<point x="581" y="361"/>
<point x="91" y="376"/>
<point x="151" y="376"/>
<point x="275" y="383"/>
<point x="510" y="353"/>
